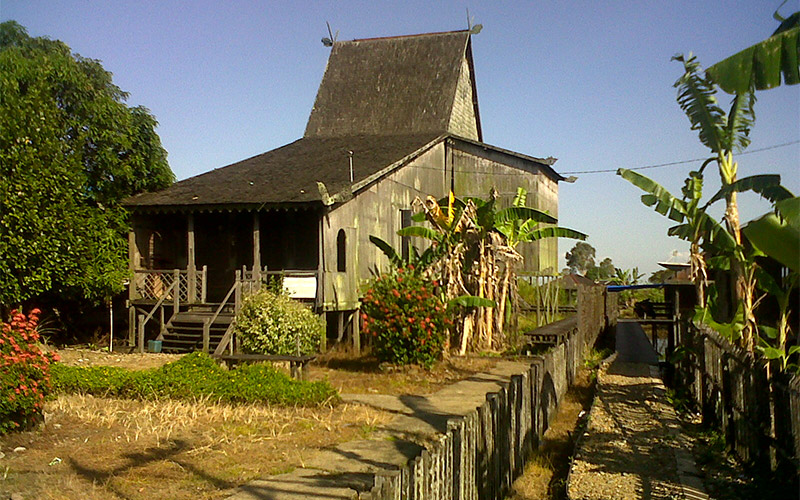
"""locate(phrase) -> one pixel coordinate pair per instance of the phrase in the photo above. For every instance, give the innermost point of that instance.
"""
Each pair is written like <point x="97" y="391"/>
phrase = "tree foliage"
<point x="581" y="258"/>
<point x="70" y="150"/>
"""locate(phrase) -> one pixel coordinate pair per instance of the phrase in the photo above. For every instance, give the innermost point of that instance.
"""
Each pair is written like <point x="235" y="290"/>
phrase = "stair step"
<point x="183" y="327"/>
<point x="200" y="318"/>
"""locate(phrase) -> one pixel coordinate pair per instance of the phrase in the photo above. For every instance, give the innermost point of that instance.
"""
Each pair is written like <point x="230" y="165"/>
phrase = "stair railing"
<point x="173" y="288"/>
<point x="208" y="322"/>
<point x="246" y="284"/>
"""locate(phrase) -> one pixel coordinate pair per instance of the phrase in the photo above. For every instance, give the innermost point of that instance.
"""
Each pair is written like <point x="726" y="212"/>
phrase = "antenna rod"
<point x="350" y="154"/>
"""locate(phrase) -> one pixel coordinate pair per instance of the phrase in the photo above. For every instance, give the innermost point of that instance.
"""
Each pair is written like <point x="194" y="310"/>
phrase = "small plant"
<point x="407" y="318"/>
<point x="24" y="372"/>
<point x="273" y="323"/>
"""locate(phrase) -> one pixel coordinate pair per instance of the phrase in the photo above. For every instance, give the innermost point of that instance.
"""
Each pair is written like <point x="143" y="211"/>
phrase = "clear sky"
<point x="589" y="83"/>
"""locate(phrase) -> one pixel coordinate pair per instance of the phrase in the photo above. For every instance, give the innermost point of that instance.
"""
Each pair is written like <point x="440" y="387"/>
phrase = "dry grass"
<point x="546" y="472"/>
<point x="104" y="448"/>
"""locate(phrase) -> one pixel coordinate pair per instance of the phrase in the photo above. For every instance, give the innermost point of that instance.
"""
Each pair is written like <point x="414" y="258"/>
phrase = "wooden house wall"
<point x="477" y="170"/>
<point x="160" y="241"/>
<point x="375" y="211"/>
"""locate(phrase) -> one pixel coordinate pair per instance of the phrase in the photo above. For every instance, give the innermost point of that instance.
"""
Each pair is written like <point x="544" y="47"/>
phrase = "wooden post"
<point x="339" y="326"/>
<point x="323" y="341"/>
<point x="133" y="263"/>
<point x="176" y="291"/>
<point x="204" y="290"/>
<point x="131" y="326"/>
<point x="163" y="328"/>
<point x="190" y="260"/>
<point x="356" y="329"/>
<point x="141" y="333"/>
<point x="206" y="334"/>
<point x="319" y="301"/>
<point x="256" y="246"/>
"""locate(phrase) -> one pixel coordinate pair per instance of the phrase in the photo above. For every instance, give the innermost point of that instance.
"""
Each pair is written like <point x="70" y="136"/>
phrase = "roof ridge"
<point x="395" y="37"/>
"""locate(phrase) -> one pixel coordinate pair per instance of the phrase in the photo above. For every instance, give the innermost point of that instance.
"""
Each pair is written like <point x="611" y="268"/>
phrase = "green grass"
<point x="191" y="377"/>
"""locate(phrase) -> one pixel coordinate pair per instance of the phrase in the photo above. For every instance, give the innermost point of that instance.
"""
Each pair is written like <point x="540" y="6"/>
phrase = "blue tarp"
<point x="620" y="288"/>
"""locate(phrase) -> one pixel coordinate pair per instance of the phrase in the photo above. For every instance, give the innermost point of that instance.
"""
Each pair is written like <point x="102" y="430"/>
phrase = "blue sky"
<point x="589" y="83"/>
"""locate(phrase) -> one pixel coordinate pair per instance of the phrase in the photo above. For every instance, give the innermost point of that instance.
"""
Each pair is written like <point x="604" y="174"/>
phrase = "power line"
<point x="682" y="162"/>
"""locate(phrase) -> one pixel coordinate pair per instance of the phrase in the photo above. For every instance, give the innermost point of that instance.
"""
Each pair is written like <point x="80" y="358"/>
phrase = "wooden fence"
<point x="759" y="417"/>
<point x="482" y="452"/>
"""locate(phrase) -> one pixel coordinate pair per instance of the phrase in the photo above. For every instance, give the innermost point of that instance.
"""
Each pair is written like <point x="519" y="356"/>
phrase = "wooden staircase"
<point x="184" y="332"/>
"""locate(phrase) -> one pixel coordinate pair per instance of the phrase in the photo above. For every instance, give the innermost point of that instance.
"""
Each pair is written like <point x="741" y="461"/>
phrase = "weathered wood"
<point x="190" y="259"/>
<point x="256" y="241"/>
<point x="206" y="334"/>
<point x="131" y="326"/>
<point x="356" y="329"/>
<point x="141" y="333"/>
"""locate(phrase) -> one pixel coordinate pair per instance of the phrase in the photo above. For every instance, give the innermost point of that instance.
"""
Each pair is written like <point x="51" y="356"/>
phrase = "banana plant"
<point x="694" y="223"/>
<point x="522" y="224"/>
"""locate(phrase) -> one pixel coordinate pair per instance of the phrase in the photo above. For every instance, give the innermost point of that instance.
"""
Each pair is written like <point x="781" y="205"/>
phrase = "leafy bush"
<point x="193" y="376"/>
<point x="24" y="372"/>
<point x="273" y="323"/>
<point x="407" y="318"/>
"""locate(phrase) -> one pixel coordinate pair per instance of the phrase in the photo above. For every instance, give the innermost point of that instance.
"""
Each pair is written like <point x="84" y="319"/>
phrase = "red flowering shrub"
<point x="407" y="318"/>
<point x="24" y="372"/>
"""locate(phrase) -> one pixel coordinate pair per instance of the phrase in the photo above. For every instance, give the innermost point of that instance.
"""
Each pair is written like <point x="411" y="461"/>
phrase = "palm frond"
<point x="761" y="66"/>
<point x="741" y="117"/>
<point x="696" y="97"/>
<point x="521" y="214"/>
<point x="767" y="185"/>
<point x="521" y="198"/>
<point x="420" y="231"/>
<point x="552" y="232"/>
<point x="658" y="197"/>
<point x="387" y="250"/>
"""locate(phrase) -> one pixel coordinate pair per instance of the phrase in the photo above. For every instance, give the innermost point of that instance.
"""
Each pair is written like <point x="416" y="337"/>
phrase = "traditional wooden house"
<point x="394" y="118"/>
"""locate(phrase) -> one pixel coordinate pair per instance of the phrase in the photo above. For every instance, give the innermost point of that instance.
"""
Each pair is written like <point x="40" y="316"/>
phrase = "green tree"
<point x="70" y="150"/>
<point x="581" y="258"/>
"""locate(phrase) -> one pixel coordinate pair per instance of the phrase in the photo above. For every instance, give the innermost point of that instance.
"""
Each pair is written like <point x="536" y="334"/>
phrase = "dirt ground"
<point x="546" y="473"/>
<point x="104" y="448"/>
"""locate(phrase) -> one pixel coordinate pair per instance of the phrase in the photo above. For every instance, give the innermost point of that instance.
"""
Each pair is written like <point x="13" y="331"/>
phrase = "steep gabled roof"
<point x="397" y="85"/>
<point x="287" y="175"/>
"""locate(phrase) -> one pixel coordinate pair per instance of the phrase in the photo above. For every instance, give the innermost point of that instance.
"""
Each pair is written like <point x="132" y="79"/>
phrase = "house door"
<point x="224" y="243"/>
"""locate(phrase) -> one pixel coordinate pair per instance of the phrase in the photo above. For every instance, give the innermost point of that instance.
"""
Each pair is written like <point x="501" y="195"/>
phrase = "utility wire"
<point x="682" y="162"/>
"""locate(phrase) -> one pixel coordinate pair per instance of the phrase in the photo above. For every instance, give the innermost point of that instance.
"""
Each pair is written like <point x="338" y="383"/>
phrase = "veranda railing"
<point x="153" y="284"/>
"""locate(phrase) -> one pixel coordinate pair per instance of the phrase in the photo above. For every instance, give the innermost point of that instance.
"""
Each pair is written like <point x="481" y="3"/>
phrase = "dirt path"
<point x="634" y="447"/>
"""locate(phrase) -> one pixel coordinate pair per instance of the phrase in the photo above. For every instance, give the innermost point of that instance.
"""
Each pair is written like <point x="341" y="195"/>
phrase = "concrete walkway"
<point x="633" y="447"/>
<point x="347" y="469"/>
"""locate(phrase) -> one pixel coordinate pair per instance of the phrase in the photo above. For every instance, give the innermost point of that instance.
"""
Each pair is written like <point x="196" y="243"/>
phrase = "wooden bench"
<point x="297" y="364"/>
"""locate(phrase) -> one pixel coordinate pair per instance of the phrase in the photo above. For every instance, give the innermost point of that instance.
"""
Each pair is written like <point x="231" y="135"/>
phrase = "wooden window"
<point x="341" y="252"/>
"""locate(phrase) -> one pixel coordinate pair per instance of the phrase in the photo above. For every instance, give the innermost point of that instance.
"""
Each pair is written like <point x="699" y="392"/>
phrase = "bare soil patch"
<point x="365" y="374"/>
<point x="546" y="473"/>
<point x="76" y="356"/>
